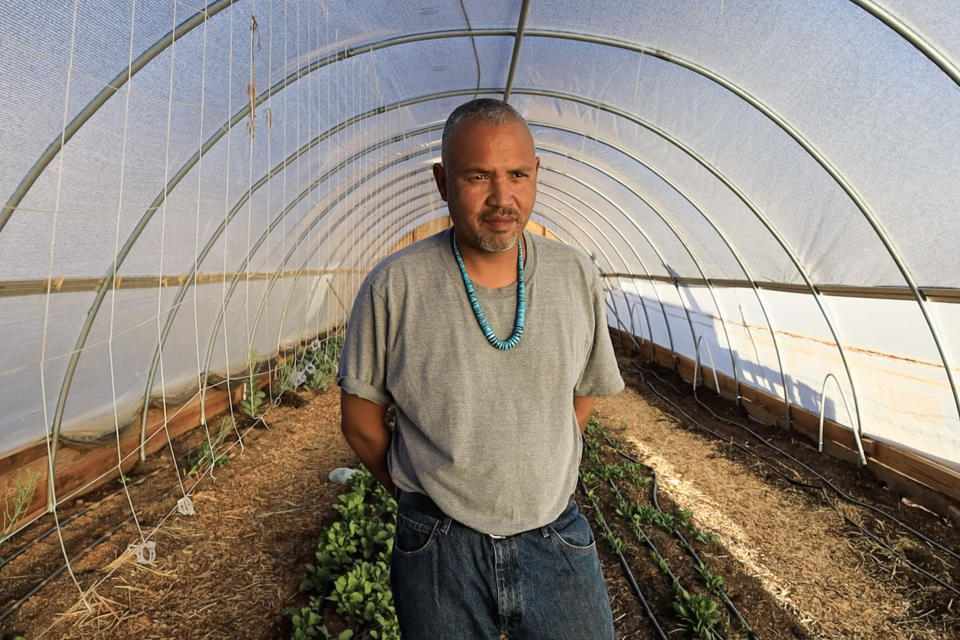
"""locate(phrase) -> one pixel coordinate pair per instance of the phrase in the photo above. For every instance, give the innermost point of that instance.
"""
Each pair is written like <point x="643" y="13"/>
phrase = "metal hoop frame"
<point x="198" y="18"/>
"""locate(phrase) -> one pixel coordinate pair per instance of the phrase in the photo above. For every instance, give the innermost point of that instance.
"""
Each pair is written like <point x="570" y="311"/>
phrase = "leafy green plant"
<point x="711" y="581"/>
<point x="661" y="563"/>
<point x="285" y="378"/>
<point x="25" y="486"/>
<point x="206" y="455"/>
<point x="253" y="396"/>
<point x="698" y="613"/>
<point x="351" y="566"/>
<point x="684" y="517"/>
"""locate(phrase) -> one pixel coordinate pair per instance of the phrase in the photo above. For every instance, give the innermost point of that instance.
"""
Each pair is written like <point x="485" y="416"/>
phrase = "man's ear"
<point x="440" y="175"/>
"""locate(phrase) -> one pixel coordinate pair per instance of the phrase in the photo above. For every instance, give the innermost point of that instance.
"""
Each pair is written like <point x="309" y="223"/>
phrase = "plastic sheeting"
<point x="786" y="144"/>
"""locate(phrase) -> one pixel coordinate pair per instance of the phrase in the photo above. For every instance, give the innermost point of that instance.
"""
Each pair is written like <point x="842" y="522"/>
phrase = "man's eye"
<point x="477" y="177"/>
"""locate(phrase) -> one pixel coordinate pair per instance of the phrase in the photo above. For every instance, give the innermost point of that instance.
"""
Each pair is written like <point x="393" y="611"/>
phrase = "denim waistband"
<point x="424" y="504"/>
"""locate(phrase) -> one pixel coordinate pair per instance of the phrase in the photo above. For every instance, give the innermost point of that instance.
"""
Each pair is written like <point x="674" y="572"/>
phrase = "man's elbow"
<point x="358" y="416"/>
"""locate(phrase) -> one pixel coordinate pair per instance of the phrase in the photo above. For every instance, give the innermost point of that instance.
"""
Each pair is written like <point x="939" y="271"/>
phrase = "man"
<point x="491" y="343"/>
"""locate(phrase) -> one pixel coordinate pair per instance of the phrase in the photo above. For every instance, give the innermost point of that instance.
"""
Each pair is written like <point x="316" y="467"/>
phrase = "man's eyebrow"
<point x="524" y="169"/>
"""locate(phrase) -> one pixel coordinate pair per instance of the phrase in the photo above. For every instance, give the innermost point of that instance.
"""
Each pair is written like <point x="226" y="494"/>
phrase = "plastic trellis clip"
<point x="185" y="506"/>
<point x="146" y="552"/>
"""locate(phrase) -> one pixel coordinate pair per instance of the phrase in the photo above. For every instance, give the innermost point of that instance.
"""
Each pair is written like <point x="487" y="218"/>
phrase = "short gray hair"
<point x="487" y="109"/>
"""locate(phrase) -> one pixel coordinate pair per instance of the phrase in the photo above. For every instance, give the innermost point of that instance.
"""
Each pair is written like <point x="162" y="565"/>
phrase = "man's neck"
<point x="492" y="269"/>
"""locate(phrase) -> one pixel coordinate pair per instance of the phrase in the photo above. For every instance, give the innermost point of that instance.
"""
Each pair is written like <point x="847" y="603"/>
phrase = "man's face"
<point x="489" y="182"/>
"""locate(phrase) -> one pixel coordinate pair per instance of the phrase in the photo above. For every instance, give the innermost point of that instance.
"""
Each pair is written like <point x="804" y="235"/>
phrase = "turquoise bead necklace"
<point x="520" y="320"/>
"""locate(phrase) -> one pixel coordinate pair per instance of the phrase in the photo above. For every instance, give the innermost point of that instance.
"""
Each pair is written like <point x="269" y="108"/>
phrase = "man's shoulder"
<point x="416" y="259"/>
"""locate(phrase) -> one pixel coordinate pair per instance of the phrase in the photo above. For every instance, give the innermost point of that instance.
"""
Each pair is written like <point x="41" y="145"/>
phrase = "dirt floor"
<point x="794" y="566"/>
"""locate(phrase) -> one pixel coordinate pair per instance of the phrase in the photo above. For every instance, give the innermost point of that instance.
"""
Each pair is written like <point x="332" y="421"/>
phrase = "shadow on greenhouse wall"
<point x="751" y="368"/>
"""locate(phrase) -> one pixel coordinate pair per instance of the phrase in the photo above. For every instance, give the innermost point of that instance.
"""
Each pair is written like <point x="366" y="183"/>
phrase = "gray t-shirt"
<point x="489" y="435"/>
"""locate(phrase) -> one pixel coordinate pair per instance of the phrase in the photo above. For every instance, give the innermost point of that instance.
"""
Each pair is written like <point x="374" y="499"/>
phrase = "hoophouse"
<point x="192" y="195"/>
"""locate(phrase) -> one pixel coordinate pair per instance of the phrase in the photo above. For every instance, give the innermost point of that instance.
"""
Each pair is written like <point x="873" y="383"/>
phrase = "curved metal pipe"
<point x="857" y="430"/>
<point x="111" y="88"/>
<point x="719" y="176"/>
<point x="817" y="156"/>
<point x="82" y="339"/>
<point x="518" y="39"/>
<point x="747" y="202"/>
<point x="683" y="243"/>
<point x="696" y="366"/>
<point x="282" y="84"/>
<point x="656" y="251"/>
<point x="911" y="36"/>
<point x="653" y="353"/>
<point x="662" y="55"/>
<point x="730" y="246"/>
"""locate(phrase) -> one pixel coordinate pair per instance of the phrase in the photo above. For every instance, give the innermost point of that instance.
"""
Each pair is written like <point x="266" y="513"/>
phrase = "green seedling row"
<point x="697" y="614"/>
<point x="352" y="568"/>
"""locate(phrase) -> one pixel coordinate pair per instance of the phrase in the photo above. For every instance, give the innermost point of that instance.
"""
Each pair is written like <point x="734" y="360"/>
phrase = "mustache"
<point x="503" y="212"/>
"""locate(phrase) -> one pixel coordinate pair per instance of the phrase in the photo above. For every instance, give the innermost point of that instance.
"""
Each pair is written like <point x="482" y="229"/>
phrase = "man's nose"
<point x="501" y="193"/>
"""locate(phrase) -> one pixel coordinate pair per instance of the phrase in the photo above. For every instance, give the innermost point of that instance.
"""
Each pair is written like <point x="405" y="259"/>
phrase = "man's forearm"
<point x="583" y="407"/>
<point x="362" y="425"/>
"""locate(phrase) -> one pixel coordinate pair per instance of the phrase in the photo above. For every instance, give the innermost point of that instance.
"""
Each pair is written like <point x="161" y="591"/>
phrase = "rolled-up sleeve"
<point x="601" y="374"/>
<point x="363" y="361"/>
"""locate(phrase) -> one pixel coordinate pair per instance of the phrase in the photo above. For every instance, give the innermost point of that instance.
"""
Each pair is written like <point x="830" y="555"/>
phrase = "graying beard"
<point x="493" y="245"/>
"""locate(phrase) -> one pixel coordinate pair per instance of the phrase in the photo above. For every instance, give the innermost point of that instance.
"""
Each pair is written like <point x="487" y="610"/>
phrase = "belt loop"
<point x="545" y="531"/>
<point x="445" y="524"/>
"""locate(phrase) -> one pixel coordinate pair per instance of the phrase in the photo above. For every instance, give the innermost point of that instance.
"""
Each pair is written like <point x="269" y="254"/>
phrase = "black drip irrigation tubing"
<point x="690" y="551"/>
<point x="822" y="487"/>
<point x="684" y="544"/>
<point x="68" y="520"/>
<point x="626" y="568"/>
<point x="15" y="606"/>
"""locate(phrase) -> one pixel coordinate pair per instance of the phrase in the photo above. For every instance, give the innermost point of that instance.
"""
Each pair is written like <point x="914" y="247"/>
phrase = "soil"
<point x="794" y="565"/>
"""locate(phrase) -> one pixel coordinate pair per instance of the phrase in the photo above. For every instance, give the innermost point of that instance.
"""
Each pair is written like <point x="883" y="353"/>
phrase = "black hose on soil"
<point x="67" y="521"/>
<point x="626" y="568"/>
<point x="16" y="605"/>
<point x="686" y="546"/>
<point x="821" y="487"/>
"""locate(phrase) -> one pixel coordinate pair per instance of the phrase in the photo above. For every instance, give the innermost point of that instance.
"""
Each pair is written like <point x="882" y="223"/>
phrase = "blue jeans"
<point x="451" y="582"/>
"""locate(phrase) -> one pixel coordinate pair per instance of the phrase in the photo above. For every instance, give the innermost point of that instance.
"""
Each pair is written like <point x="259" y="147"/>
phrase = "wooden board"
<point x="80" y="471"/>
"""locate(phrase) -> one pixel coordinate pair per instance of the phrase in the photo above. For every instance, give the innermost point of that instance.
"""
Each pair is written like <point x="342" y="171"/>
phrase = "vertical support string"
<point x="201" y="374"/>
<point x="51" y="476"/>
<point x="116" y="245"/>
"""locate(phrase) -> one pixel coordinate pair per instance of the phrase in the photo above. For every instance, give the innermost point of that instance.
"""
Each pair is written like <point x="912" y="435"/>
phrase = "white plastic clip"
<point x="185" y="506"/>
<point x="146" y="552"/>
